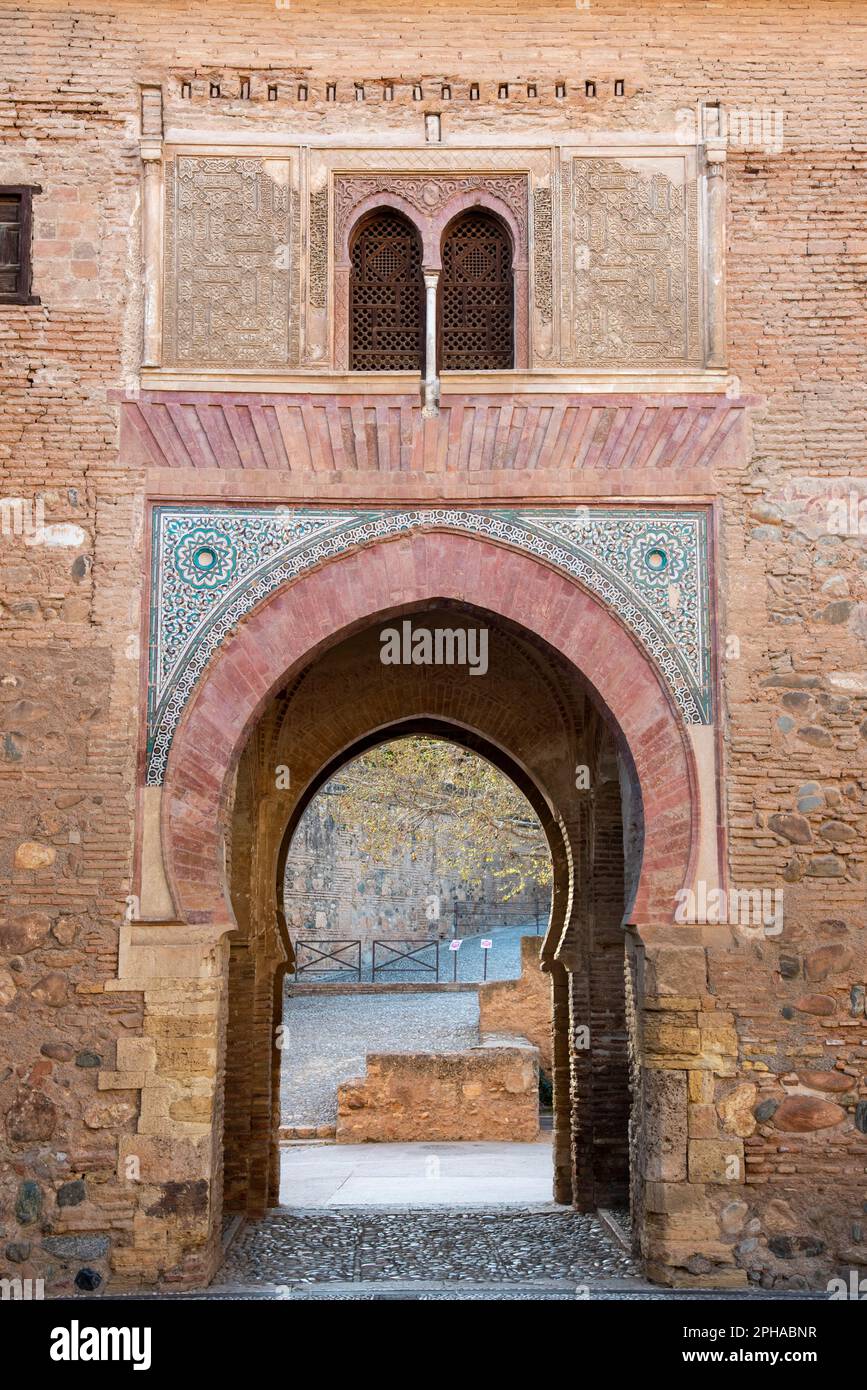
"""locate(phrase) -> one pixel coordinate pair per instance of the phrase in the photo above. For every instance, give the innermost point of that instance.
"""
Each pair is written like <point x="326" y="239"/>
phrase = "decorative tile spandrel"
<point x="213" y="564"/>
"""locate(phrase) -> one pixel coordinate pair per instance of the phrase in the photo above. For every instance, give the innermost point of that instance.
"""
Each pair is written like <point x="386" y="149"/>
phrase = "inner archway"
<point x="416" y="891"/>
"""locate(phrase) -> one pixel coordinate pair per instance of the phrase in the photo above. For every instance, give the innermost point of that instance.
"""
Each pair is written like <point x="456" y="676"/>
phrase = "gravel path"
<point x="327" y="1038"/>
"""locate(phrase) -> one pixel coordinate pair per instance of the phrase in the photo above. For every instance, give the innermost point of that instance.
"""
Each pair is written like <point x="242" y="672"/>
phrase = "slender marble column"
<point x="431" y="406"/>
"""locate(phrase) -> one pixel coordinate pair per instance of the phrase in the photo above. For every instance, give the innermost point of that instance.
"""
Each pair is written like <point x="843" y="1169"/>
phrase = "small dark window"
<point x="477" y="296"/>
<point x="386" y="330"/>
<point x="15" y="244"/>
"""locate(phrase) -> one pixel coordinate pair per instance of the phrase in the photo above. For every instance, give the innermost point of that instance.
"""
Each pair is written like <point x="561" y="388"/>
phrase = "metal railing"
<point x="407" y="959"/>
<point x="470" y="920"/>
<point x="342" y="958"/>
<point x="404" y="956"/>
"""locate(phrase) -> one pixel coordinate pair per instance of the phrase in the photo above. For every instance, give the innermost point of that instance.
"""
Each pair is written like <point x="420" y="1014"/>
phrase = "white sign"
<point x="486" y="943"/>
<point x="454" y="945"/>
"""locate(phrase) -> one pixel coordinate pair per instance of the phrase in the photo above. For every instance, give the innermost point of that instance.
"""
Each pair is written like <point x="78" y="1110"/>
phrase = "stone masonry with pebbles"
<point x="141" y="951"/>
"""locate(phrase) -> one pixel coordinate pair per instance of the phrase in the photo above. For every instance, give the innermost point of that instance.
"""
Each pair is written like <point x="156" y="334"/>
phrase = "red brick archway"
<point x="342" y="596"/>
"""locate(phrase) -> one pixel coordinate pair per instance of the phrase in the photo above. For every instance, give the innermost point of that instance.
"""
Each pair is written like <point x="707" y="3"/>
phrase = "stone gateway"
<point x="536" y="335"/>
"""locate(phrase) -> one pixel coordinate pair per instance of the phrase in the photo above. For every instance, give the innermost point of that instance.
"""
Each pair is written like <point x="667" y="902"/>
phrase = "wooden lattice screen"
<point x="477" y="296"/>
<point x="386" y="331"/>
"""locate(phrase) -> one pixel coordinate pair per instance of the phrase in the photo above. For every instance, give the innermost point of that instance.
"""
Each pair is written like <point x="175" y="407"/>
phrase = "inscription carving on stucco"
<point x="635" y="270"/>
<point x="228" y="236"/>
<point x="318" y="243"/>
<point x="428" y="193"/>
<point x="543" y="270"/>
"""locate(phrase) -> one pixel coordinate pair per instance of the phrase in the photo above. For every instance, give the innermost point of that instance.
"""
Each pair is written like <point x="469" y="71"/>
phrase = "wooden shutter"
<point x="15" y="232"/>
<point x="10" y="243"/>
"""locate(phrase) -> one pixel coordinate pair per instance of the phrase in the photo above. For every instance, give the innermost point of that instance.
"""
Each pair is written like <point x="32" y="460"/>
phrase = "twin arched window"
<point x="387" y="299"/>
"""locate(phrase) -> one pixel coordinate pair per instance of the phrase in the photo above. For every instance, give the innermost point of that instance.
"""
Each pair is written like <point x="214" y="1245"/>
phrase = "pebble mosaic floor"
<point x="481" y="1247"/>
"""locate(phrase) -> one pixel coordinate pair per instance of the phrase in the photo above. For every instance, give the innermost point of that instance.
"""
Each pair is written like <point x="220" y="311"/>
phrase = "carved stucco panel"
<point x="318" y="244"/>
<point x="543" y="266"/>
<point x="634" y="266"/>
<point x="542" y="247"/>
<point x="231" y="224"/>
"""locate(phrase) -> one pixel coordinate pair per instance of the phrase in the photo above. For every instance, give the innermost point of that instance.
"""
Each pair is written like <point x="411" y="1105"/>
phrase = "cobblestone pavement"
<point x="327" y="1038"/>
<point x="490" y="1255"/>
<point x="490" y="1247"/>
<point x="622" y="1217"/>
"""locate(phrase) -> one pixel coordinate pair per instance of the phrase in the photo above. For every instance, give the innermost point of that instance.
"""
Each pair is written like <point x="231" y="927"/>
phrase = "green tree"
<point x="402" y="791"/>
